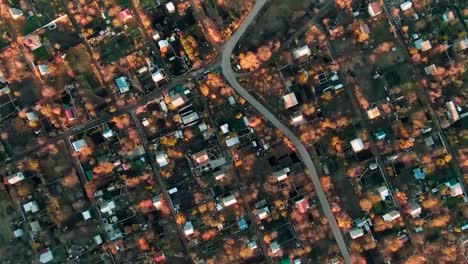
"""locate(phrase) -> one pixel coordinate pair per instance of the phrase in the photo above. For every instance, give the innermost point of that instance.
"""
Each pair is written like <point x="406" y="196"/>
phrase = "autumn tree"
<point x="365" y="204"/>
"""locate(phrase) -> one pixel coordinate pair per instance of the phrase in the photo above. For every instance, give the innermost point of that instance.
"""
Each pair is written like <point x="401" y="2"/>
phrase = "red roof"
<point x="302" y="205"/>
<point x="159" y="256"/>
<point x="125" y="15"/>
<point x="375" y="7"/>
<point x="32" y="41"/>
<point x="70" y="113"/>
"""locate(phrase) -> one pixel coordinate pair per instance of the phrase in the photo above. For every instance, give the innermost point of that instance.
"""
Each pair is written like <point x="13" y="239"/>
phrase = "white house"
<point x="158" y="76"/>
<point x="219" y="175"/>
<point x="15" y="12"/>
<point x="43" y="69"/>
<point x="15" y="178"/>
<point x="383" y="191"/>
<point x="170" y="7"/>
<point x="263" y="212"/>
<point x="190" y="118"/>
<point x="282" y="174"/>
<point x="275" y="247"/>
<point x="232" y="141"/>
<point x="373" y="113"/>
<point x="455" y="188"/>
<point x="178" y="100"/>
<point x="302" y="51"/>
<point x="31" y="207"/>
<point x="229" y="200"/>
<point x="357" y="145"/>
<point x="79" y="145"/>
<point x="390" y="216"/>
<point x="86" y="215"/>
<point x="108" y="208"/>
<point x="290" y="100"/>
<point x="161" y="158"/>
<point x="188" y="228"/>
<point x="356" y="232"/>
<point x="430" y="69"/>
<point x="157" y="202"/>
<point x="414" y="209"/>
<point x="46" y="256"/>
<point x="224" y="128"/>
<point x="406" y="5"/>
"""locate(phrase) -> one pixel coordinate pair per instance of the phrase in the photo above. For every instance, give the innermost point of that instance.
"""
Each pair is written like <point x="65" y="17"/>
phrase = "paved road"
<point x="230" y="77"/>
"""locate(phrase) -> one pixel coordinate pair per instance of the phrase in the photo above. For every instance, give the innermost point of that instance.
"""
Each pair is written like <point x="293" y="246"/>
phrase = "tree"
<point x="365" y="204"/>
<point x="439" y="221"/>
<point x="103" y="168"/>
<point x="249" y="61"/>
<point x="181" y="219"/>
<point x="326" y="184"/>
<point x="122" y="121"/>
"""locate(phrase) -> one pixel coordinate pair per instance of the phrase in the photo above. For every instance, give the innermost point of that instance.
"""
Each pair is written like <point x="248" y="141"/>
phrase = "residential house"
<point x="15" y="178"/>
<point x="356" y="233"/>
<point x="32" y="41"/>
<point x="31" y="207"/>
<point x="46" y="256"/>
<point x="201" y="157"/>
<point x="263" y="213"/>
<point x="390" y="216"/>
<point x="357" y="145"/>
<point x="161" y="158"/>
<point x="229" y="200"/>
<point x="79" y="145"/>
<point x="414" y="209"/>
<point x="302" y="205"/>
<point x="232" y="141"/>
<point x="125" y="15"/>
<point x="157" y="202"/>
<point x="170" y="7"/>
<point x="178" y="100"/>
<point x="406" y="5"/>
<point x="290" y="100"/>
<point x="188" y="228"/>
<point x="86" y="214"/>
<point x="282" y="174"/>
<point x="302" y="51"/>
<point x="374" y="9"/>
<point x="383" y="192"/>
<point x="158" y="76"/>
<point x="275" y="247"/>
<point x="455" y="188"/>
<point x="190" y="118"/>
<point x="122" y="84"/>
<point x="15" y="12"/>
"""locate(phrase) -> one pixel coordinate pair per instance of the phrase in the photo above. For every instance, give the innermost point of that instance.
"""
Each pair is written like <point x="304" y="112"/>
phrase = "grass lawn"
<point x="114" y="48"/>
<point x="41" y="54"/>
<point x="32" y="24"/>
<point x="49" y="9"/>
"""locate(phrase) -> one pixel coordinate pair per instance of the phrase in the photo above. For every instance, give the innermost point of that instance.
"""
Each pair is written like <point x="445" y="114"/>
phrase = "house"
<point x="163" y="44"/>
<point x="79" y="145"/>
<point x="86" y="214"/>
<point x="108" y="208"/>
<point x="46" y="256"/>
<point x="252" y="245"/>
<point x="452" y="111"/>
<point x="282" y="174"/>
<point x="188" y="228"/>
<point x="290" y="100"/>
<point x="423" y="45"/>
<point x="455" y="188"/>
<point x="178" y="100"/>
<point x="18" y="232"/>
<point x="380" y="135"/>
<point x="32" y="41"/>
<point x="124" y="15"/>
<point x="383" y="192"/>
<point x="43" y="69"/>
<point x="70" y="113"/>
<point x="448" y="16"/>
<point x="232" y="141"/>
<point x="224" y="128"/>
<point x="392" y="215"/>
<point x="98" y="239"/>
<point x="302" y="205"/>
<point x="170" y="7"/>
<point x="406" y="5"/>
<point x="159" y="257"/>
<point x="35" y="227"/>
<point x="373" y="113"/>
<point x="219" y="175"/>
<point x="161" y="158"/>
<point x="229" y="200"/>
<point x="463" y="44"/>
<point x="156" y="36"/>
<point x="297" y="119"/>
<point x="157" y="202"/>
<point x="15" y="178"/>
<point x="356" y="232"/>
<point x="201" y="157"/>
<point x="302" y="51"/>
<point x="275" y="247"/>
<point x="190" y="118"/>
<point x="263" y="212"/>
<point x="122" y="84"/>
<point x="364" y="29"/>
<point x="31" y="207"/>
<point x="15" y="12"/>
<point x="107" y="133"/>
<point x="158" y="76"/>
<point x="357" y="145"/>
<point x="419" y="174"/>
<point x="431" y="69"/>
<point x="31" y="116"/>
<point x="414" y="209"/>
<point x="242" y="224"/>
<point x="374" y="9"/>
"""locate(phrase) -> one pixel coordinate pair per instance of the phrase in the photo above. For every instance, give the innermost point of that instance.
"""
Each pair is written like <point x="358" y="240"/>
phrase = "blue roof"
<point x="380" y="135"/>
<point x="419" y="174"/>
<point x="242" y="224"/>
<point x="122" y="84"/>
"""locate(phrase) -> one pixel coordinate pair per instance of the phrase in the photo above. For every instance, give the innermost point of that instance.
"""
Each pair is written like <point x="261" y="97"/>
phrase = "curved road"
<point x="231" y="78"/>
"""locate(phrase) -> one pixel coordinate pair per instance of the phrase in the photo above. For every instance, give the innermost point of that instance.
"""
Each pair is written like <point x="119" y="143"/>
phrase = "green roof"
<point x="89" y="175"/>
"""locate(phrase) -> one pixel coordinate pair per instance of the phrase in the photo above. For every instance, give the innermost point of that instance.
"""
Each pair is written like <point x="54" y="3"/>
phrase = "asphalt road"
<point x="231" y="78"/>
